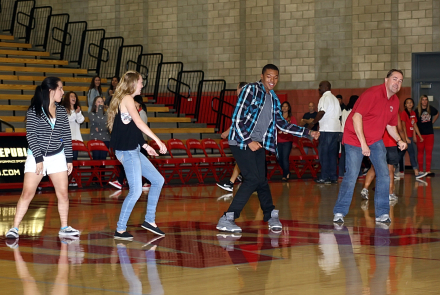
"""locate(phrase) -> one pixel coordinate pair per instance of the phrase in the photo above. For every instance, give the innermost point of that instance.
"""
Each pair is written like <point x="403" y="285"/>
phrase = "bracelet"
<point x="399" y="140"/>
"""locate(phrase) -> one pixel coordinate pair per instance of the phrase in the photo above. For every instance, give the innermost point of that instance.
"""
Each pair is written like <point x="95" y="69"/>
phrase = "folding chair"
<point x="81" y="167"/>
<point x="228" y="157"/>
<point x="205" y="164"/>
<point x="111" y="165"/>
<point x="181" y="161"/>
<point x="311" y="162"/>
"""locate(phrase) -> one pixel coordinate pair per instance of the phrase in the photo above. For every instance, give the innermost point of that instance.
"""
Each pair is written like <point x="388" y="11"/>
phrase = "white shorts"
<point x="52" y="164"/>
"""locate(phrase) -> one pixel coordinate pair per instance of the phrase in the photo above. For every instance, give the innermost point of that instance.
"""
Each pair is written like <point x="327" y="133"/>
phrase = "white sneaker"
<point x="421" y="174"/>
<point x="392" y="197"/>
<point x="364" y="193"/>
<point x="115" y="184"/>
<point x="385" y="218"/>
<point x="338" y="218"/>
<point x="146" y="187"/>
<point x="69" y="231"/>
<point x="12" y="233"/>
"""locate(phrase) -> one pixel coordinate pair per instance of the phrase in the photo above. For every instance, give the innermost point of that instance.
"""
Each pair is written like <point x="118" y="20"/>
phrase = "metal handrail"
<point x="178" y="93"/>
<point x="64" y="32"/>
<point x="138" y="67"/>
<point x="6" y="123"/>
<point x="220" y="102"/>
<point x="25" y="25"/>
<point x="99" y="47"/>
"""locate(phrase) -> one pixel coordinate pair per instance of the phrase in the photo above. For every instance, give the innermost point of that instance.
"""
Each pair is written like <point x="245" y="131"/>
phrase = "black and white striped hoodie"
<point x="45" y="141"/>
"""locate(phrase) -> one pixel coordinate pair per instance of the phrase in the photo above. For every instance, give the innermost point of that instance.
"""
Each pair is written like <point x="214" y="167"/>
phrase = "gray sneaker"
<point x="274" y="222"/>
<point x="227" y="223"/>
<point x="364" y="193"/>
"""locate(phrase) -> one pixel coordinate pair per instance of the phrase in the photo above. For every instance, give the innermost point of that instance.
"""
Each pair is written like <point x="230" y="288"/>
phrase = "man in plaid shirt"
<point x="254" y="122"/>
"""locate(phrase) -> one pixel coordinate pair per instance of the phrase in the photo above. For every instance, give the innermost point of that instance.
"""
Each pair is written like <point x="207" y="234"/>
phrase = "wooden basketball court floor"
<point x="310" y="256"/>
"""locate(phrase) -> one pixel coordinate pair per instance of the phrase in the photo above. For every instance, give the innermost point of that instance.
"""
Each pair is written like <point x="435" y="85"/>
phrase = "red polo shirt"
<point x="409" y="122"/>
<point x="377" y="112"/>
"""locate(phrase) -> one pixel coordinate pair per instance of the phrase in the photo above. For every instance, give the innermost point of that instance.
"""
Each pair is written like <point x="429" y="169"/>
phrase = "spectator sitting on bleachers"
<point x="111" y="90"/>
<point x="94" y="91"/>
<point x="98" y="126"/>
<point x="76" y="118"/>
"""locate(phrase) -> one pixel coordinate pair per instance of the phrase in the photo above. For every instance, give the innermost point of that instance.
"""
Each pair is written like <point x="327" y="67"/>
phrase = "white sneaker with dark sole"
<point x="338" y="218"/>
<point x="385" y="218"/>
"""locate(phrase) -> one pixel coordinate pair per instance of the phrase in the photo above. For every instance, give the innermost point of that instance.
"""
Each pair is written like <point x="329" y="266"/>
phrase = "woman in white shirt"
<point x="73" y="108"/>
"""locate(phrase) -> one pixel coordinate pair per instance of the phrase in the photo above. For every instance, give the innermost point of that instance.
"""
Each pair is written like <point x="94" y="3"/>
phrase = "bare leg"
<point x="29" y="284"/>
<point x="61" y="280"/>
<point x="369" y="178"/>
<point x="60" y="183"/>
<point x="235" y="173"/>
<point x="30" y="184"/>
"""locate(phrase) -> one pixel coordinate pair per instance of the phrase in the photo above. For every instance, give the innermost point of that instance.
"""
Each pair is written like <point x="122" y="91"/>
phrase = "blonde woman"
<point x="126" y="127"/>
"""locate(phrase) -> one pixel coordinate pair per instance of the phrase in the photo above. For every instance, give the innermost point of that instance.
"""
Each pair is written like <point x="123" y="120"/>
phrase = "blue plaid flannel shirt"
<point x="246" y="113"/>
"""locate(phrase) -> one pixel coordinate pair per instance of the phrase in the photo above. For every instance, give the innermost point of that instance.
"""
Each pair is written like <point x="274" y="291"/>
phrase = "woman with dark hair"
<point x="408" y="116"/>
<point x="426" y="117"/>
<point x="49" y="153"/>
<point x="76" y="118"/>
<point x="111" y="89"/>
<point x="98" y="126"/>
<point x="345" y="112"/>
<point x="126" y="127"/>
<point x="94" y="91"/>
<point x="284" y="141"/>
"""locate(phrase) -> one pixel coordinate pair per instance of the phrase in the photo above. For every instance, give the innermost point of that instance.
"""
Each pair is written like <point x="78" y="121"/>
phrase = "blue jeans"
<point x="284" y="149"/>
<point x="412" y="155"/>
<point x="353" y="158"/>
<point x="328" y="150"/>
<point x="137" y="165"/>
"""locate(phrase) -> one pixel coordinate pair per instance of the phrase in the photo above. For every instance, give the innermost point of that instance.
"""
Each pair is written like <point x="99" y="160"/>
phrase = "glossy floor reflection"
<point x="310" y="256"/>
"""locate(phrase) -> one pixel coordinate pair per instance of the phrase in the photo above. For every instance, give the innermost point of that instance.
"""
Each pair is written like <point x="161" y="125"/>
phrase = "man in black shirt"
<point x="343" y="106"/>
<point x="309" y="117"/>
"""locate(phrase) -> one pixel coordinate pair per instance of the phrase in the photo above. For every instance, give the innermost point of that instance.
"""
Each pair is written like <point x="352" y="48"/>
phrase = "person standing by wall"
<point x="285" y="141"/>
<point x="328" y="115"/>
<point x="426" y="117"/>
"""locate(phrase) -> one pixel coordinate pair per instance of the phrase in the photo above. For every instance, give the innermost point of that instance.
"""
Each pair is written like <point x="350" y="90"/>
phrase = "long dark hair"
<point x="66" y="102"/>
<point x="352" y="101"/>
<point x="94" y="109"/>
<point x="289" y="111"/>
<point x="41" y="99"/>
<point x="92" y="84"/>
<point x="404" y="106"/>
<point x="140" y="100"/>
<point x="111" y="84"/>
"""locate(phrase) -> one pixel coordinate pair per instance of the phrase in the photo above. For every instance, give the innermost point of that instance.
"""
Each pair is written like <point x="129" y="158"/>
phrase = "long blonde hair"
<point x="127" y="86"/>
<point x="419" y="105"/>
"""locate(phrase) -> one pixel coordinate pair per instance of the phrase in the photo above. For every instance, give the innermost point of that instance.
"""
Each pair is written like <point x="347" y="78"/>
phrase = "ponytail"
<point x="41" y="99"/>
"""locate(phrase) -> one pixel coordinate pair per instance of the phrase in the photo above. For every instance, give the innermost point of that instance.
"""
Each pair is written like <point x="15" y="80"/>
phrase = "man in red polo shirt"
<point x="375" y="110"/>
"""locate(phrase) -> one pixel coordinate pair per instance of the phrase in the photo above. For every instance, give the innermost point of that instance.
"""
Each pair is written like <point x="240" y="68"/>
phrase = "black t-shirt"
<point x="309" y="115"/>
<point x="424" y="120"/>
